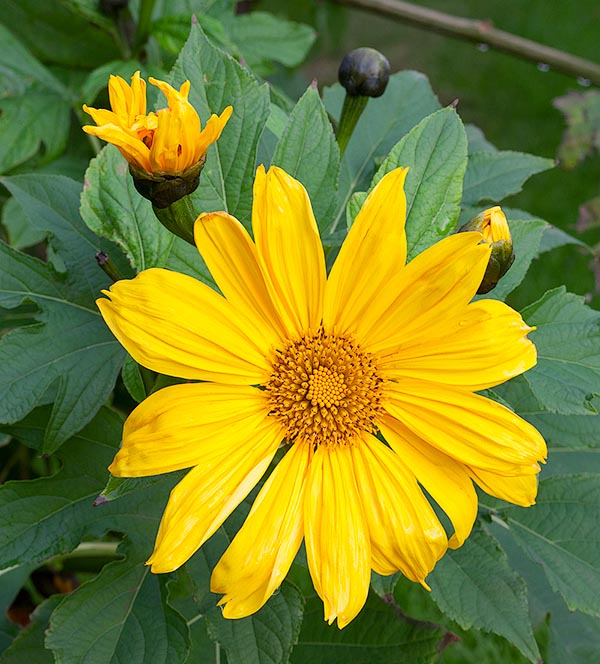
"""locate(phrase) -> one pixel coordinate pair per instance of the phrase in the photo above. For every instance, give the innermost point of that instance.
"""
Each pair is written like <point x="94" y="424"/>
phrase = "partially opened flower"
<point x="367" y="377"/>
<point x="170" y="141"/>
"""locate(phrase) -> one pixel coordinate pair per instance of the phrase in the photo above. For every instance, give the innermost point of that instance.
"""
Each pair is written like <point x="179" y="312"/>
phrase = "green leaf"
<point x="309" y="152"/>
<point x="217" y="81"/>
<point x="475" y="586"/>
<point x="97" y="79"/>
<point x="70" y="347"/>
<point x="20" y="232"/>
<point x="567" y="375"/>
<point x="526" y="237"/>
<point x="266" y="637"/>
<point x="276" y="124"/>
<point x="263" y="37"/>
<point x="407" y="100"/>
<point x="113" y="209"/>
<point x="132" y="379"/>
<point x="118" y="487"/>
<point x="492" y="176"/>
<point x="172" y="31"/>
<point x="29" y="644"/>
<point x="376" y="636"/>
<point x="436" y="153"/>
<point x="561" y="533"/>
<point x="11" y="581"/>
<point x="122" y="615"/>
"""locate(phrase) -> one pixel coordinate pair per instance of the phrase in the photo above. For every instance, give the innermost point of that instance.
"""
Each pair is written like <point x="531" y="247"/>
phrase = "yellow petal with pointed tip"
<point x="405" y="533"/>
<point x="434" y="286"/>
<point x="446" y="480"/>
<point x="484" y="345"/>
<point x="176" y="325"/>
<point x="520" y="489"/>
<point x="207" y="495"/>
<point x="289" y="249"/>
<point x="337" y="537"/>
<point x="187" y="425"/>
<point x="261" y="553"/>
<point x="230" y="255"/>
<point x="467" y="427"/>
<point x="373" y="252"/>
<point x="130" y="147"/>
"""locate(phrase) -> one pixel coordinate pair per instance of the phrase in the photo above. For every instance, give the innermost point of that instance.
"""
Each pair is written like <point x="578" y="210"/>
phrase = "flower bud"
<point x="364" y="72"/>
<point x="493" y="226"/>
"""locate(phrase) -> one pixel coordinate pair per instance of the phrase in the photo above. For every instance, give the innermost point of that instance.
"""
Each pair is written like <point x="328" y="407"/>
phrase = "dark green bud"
<point x="164" y="189"/>
<point x="364" y="72"/>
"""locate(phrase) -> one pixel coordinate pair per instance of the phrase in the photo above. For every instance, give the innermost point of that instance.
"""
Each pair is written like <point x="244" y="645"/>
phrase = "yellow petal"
<point x="446" y="480"/>
<point x="520" y="490"/>
<point x="484" y="345"/>
<point x="127" y="101"/>
<point x="212" y="131"/>
<point x="208" y="494"/>
<point x="132" y="148"/>
<point x="467" y="427"/>
<point x="188" y="425"/>
<point x="405" y="533"/>
<point x="230" y="255"/>
<point x="261" y="553"/>
<point x="176" y="325"/>
<point x="431" y="288"/>
<point x="289" y="249"/>
<point x="337" y="540"/>
<point x="373" y="252"/>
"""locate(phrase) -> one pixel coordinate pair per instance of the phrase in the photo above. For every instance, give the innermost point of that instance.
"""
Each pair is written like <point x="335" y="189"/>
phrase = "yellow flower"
<point x="331" y="366"/>
<point x="494" y="226"/>
<point x="169" y="141"/>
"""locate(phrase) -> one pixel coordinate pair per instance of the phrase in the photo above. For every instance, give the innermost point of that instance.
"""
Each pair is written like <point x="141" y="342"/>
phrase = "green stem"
<point x="143" y="26"/>
<point x="179" y="218"/>
<point x="107" y="266"/>
<point x="353" y="107"/>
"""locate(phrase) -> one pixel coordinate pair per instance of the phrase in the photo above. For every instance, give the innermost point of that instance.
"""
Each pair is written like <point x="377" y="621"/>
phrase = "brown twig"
<point x="483" y="32"/>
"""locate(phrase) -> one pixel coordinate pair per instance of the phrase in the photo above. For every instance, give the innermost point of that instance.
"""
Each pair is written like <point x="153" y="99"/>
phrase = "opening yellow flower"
<point x="169" y="141"/>
<point x="494" y="225"/>
<point x="333" y="367"/>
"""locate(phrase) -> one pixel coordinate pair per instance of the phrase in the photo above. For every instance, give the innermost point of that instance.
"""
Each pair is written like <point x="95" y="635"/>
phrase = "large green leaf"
<point x="266" y="637"/>
<point x="494" y="175"/>
<point x="560" y="534"/>
<point x="567" y="375"/>
<point x="436" y="153"/>
<point x="70" y="347"/>
<point x="309" y="152"/>
<point x="122" y="615"/>
<point x="378" y="635"/>
<point x="407" y="100"/>
<point x="113" y="209"/>
<point x="475" y="586"/>
<point x="217" y="81"/>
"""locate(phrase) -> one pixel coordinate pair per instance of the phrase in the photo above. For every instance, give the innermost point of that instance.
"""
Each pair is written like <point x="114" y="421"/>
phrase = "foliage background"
<point x="541" y="573"/>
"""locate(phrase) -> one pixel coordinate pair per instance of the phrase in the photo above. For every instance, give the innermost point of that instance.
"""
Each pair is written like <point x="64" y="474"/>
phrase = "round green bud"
<point x="364" y="72"/>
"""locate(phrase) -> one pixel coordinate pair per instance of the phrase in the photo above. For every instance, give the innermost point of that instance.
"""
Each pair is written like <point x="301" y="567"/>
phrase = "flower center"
<point x="325" y="389"/>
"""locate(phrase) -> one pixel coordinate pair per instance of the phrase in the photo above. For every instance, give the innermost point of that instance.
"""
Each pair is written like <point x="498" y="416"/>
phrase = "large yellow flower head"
<point x="333" y="367"/>
<point x="167" y="142"/>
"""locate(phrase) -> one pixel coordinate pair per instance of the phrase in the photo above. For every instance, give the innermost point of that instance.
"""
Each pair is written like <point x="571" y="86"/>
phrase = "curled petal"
<point x="520" y="489"/>
<point x="263" y="550"/>
<point x="337" y="537"/>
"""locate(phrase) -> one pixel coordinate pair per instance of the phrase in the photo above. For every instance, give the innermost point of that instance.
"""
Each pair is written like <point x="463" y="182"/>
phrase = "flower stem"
<point x="179" y="218"/>
<point x="107" y="265"/>
<point x="143" y="26"/>
<point x="353" y="107"/>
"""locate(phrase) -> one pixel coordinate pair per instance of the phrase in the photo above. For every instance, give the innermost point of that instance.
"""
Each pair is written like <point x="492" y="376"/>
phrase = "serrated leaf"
<point x="309" y="152"/>
<point x="526" y="237"/>
<point x="407" y="100"/>
<point x="18" y="228"/>
<point x="29" y="644"/>
<point x="492" y="176"/>
<point x="118" y="487"/>
<point x="266" y="637"/>
<point x="567" y="375"/>
<point x="561" y="535"/>
<point x="436" y="153"/>
<point x="475" y="586"/>
<point x="376" y="636"/>
<point x="122" y="615"/>
<point x="217" y="81"/>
